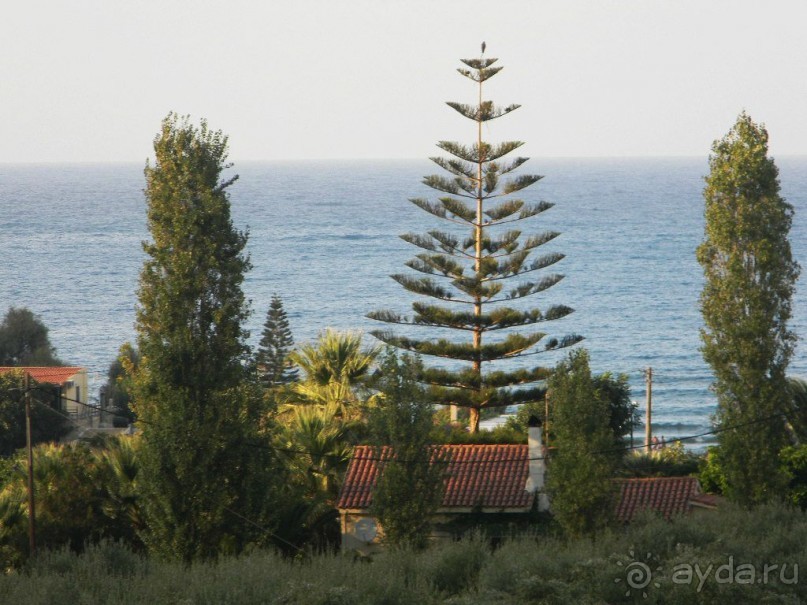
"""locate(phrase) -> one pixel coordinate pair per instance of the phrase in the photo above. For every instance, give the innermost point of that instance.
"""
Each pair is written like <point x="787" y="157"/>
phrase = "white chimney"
<point x="537" y="464"/>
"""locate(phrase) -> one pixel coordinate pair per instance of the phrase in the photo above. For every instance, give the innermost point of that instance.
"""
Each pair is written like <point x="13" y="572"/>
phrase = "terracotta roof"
<point x="706" y="500"/>
<point x="51" y="375"/>
<point x="490" y="476"/>
<point x="666" y="495"/>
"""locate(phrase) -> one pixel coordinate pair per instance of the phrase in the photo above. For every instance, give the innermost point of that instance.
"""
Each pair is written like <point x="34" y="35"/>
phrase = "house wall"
<point x="78" y="391"/>
<point x="357" y="526"/>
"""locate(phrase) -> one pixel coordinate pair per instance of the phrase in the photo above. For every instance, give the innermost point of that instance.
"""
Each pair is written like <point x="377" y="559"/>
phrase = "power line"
<point x="265" y="530"/>
<point x="626" y="448"/>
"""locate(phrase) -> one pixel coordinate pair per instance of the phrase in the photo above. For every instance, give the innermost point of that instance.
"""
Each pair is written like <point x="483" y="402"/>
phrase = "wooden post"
<point x="648" y="429"/>
<point x="31" y="507"/>
<point x="546" y="418"/>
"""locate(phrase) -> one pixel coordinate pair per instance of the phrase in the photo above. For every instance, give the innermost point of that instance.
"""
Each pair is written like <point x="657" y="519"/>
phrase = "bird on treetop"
<point x="483" y="48"/>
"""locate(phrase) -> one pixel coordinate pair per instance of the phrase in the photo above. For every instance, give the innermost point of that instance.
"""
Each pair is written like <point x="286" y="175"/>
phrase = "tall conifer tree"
<point x="193" y="395"/>
<point x="746" y="304"/>
<point x="470" y="271"/>
<point x="579" y="484"/>
<point x="272" y="358"/>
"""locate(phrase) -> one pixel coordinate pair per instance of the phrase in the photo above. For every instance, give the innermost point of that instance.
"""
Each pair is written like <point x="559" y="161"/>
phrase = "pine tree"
<point x="470" y="271"/>
<point x="746" y="304"/>
<point x="579" y="482"/>
<point x="196" y="405"/>
<point x="272" y="359"/>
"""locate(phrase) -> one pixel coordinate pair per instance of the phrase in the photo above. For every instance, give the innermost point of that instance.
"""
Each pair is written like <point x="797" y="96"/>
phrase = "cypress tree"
<point x="470" y="271"/>
<point x="195" y="402"/>
<point x="746" y="304"/>
<point x="272" y="359"/>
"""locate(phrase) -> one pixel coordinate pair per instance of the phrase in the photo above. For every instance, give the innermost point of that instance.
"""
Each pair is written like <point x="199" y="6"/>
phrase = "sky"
<point x="91" y="80"/>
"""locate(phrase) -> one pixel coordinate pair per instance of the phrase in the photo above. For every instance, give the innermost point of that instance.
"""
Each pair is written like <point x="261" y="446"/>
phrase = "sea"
<point x="324" y="235"/>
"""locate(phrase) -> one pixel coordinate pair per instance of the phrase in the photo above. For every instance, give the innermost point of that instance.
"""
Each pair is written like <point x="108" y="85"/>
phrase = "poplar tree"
<point x="272" y="358"/>
<point x="196" y="404"/>
<point x="471" y="271"/>
<point x="579" y="483"/>
<point x="410" y="484"/>
<point x="746" y="305"/>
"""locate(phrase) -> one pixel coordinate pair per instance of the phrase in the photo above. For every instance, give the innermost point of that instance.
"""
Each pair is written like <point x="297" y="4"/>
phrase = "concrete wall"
<point x="77" y="391"/>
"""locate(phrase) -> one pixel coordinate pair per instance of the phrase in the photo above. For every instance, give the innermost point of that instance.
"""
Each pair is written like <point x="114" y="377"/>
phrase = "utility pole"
<point x="546" y="418"/>
<point x="648" y="430"/>
<point x="31" y="507"/>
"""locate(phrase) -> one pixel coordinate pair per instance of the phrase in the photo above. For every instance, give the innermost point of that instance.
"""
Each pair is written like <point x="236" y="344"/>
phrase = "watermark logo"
<point x="731" y="572"/>
<point x="638" y="573"/>
<point x="641" y="574"/>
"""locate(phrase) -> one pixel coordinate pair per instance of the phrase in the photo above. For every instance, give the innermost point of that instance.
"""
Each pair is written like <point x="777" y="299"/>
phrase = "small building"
<point x="70" y="382"/>
<point x="479" y="478"/>
<point x="667" y="496"/>
<point x="502" y="480"/>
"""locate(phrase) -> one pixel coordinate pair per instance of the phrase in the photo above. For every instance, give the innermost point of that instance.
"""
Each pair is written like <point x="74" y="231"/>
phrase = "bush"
<point x="672" y="461"/>
<point x="522" y="571"/>
<point x="710" y="472"/>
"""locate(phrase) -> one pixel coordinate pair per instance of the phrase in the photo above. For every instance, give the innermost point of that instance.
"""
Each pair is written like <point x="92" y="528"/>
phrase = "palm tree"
<point x="317" y="442"/>
<point x="335" y="370"/>
<point x="117" y="466"/>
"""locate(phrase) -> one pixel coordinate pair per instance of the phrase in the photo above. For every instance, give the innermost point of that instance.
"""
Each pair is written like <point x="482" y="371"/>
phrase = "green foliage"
<point x="452" y="433"/>
<point x="613" y="389"/>
<point x="746" y="304"/>
<point x="792" y="464"/>
<point x="117" y="392"/>
<point x="335" y="371"/>
<point x="623" y="415"/>
<point x="84" y="494"/>
<point x="794" y="461"/>
<point x="673" y="460"/>
<point x="47" y="422"/>
<point x="711" y="475"/>
<point x="205" y="467"/>
<point x="24" y="340"/>
<point x="272" y="358"/>
<point x="471" y="270"/>
<point x="409" y="488"/>
<point x="796" y="415"/>
<point x="318" y="444"/>
<point x="579" y="477"/>
<point x="522" y="571"/>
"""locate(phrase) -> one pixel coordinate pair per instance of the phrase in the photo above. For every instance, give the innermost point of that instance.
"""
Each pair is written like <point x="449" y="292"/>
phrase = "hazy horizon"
<point x="90" y="81"/>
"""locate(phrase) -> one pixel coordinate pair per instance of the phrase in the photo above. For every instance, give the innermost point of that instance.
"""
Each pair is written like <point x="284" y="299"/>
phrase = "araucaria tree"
<point x="196" y="401"/>
<point x="272" y="358"/>
<point x="470" y="270"/>
<point x="746" y="304"/>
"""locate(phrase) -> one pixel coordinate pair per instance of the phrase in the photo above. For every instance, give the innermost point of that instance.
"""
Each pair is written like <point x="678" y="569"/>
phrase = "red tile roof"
<point x="666" y="495"/>
<point x="490" y="476"/>
<point x="706" y="500"/>
<point x="51" y="375"/>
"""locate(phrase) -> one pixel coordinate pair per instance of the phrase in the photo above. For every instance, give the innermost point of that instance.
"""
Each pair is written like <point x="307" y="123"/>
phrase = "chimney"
<point x="537" y="464"/>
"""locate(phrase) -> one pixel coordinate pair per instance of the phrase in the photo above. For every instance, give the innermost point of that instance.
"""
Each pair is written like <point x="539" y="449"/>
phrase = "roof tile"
<point x="490" y="476"/>
<point x="668" y="496"/>
<point x="52" y="375"/>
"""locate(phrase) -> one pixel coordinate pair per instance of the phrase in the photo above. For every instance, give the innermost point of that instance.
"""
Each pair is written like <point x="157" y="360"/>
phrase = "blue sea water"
<point x="324" y="235"/>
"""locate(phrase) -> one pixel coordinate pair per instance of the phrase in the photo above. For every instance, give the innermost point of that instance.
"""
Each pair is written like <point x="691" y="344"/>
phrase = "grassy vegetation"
<point x="537" y="569"/>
